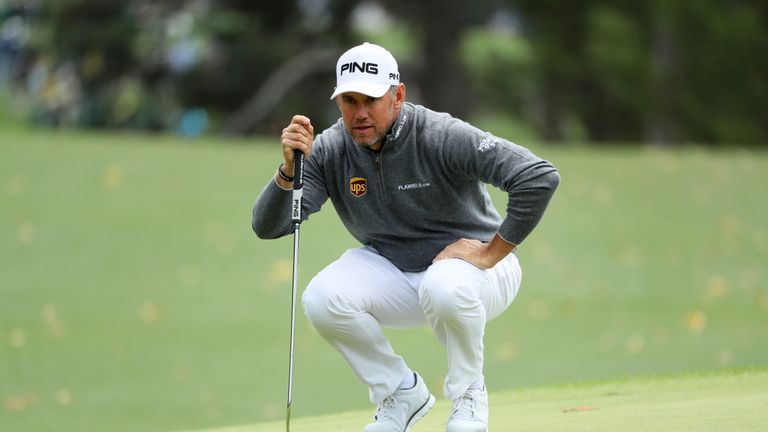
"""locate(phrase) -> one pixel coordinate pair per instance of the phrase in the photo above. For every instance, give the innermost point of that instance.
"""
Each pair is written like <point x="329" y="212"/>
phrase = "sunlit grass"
<point x="133" y="295"/>
<point x="728" y="401"/>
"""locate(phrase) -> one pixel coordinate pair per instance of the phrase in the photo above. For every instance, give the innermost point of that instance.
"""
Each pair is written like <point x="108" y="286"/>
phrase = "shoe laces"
<point x="465" y="405"/>
<point x="382" y="411"/>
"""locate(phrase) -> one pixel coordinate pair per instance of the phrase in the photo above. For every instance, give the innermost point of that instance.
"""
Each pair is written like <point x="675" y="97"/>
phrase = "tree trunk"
<point x="659" y="125"/>
<point x="441" y="79"/>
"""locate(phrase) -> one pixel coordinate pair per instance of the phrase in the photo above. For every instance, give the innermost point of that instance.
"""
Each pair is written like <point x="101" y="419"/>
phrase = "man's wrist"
<point x="283" y="180"/>
<point x="498" y="248"/>
<point x="286" y="168"/>
<point x="284" y="175"/>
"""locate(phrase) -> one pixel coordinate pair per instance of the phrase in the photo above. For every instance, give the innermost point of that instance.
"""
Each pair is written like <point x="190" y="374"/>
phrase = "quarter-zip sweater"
<point x="422" y="191"/>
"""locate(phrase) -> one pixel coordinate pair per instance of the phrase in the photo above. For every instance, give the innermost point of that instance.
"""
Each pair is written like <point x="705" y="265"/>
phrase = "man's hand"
<point x="477" y="253"/>
<point x="298" y="135"/>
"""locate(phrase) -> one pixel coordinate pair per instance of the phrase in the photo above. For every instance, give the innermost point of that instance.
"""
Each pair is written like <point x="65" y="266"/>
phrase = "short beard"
<point x="378" y="138"/>
<point x="370" y="143"/>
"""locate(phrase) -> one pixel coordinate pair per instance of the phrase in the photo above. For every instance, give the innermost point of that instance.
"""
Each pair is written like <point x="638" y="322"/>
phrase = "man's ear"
<point x="400" y="95"/>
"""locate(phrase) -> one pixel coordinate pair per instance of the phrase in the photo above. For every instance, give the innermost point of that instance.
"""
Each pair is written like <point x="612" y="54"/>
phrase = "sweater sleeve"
<point x="528" y="180"/>
<point x="271" y="215"/>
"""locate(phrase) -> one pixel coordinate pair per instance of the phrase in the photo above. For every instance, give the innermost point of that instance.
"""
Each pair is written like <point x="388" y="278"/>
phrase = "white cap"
<point x="368" y="69"/>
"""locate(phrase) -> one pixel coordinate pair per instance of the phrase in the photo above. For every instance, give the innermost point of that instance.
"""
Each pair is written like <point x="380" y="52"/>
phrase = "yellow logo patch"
<point x="358" y="186"/>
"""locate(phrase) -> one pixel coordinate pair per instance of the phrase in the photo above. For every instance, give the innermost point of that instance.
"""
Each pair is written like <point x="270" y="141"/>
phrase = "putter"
<point x="298" y="184"/>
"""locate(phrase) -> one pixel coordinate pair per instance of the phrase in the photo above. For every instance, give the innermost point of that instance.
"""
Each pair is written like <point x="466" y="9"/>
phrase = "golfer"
<point x="410" y="185"/>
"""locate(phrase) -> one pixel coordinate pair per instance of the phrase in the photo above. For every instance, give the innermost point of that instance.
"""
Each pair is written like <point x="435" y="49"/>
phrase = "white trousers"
<point x="349" y="301"/>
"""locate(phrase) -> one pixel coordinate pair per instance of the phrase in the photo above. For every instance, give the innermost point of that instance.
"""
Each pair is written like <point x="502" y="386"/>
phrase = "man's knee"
<point x="324" y="303"/>
<point x="447" y="289"/>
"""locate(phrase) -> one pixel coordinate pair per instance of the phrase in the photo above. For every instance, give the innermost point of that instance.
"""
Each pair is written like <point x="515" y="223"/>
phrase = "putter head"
<point x="288" y="419"/>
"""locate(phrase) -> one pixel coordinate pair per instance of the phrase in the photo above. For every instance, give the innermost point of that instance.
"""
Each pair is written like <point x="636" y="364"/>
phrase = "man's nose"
<point x="361" y="111"/>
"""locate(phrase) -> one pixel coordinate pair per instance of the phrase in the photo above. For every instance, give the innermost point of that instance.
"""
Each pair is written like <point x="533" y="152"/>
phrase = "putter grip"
<point x="298" y="184"/>
<point x="298" y="169"/>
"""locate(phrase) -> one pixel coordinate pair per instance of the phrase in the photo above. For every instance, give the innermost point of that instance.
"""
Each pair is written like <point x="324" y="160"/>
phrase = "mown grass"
<point x="133" y="295"/>
<point x="726" y="401"/>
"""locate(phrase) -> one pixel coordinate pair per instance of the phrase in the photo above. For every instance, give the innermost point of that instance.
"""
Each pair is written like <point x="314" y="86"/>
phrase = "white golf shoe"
<point x="470" y="412"/>
<point x="399" y="411"/>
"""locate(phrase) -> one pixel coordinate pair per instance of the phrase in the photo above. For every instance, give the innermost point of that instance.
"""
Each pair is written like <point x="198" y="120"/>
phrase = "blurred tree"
<point x="245" y="40"/>
<point x="597" y="70"/>
<point x="656" y="71"/>
<point x="290" y="62"/>
<point x="613" y="96"/>
<point x="441" y="26"/>
<point x="155" y="60"/>
<point x="721" y="86"/>
<point x="557" y="31"/>
<point x="96" y="37"/>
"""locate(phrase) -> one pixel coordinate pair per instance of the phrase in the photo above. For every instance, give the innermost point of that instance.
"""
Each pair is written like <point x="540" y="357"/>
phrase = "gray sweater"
<point x="424" y="190"/>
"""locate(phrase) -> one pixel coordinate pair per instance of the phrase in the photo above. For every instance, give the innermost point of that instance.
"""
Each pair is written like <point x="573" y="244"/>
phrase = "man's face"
<point x="368" y="119"/>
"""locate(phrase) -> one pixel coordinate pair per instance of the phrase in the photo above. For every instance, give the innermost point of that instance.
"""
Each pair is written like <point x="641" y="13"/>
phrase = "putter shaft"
<point x="293" y="324"/>
<point x="298" y="184"/>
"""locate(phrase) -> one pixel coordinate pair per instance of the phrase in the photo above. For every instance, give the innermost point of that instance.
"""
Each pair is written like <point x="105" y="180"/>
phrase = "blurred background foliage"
<point x="598" y="71"/>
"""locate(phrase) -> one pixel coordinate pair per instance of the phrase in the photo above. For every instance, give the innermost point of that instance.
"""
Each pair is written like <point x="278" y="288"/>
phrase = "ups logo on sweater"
<point x="358" y="186"/>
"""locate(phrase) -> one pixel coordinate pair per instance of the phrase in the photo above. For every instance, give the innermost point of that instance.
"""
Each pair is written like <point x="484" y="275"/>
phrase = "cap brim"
<point x="368" y="89"/>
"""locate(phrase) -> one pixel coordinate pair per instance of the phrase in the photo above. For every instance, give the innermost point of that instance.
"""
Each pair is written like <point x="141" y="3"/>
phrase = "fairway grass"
<point x="722" y="401"/>
<point x="135" y="297"/>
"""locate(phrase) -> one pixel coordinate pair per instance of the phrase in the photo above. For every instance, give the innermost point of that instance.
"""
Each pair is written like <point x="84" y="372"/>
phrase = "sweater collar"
<point x="402" y="125"/>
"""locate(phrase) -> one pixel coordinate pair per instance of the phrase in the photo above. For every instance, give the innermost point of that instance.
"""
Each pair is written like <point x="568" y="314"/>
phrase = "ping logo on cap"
<point x="358" y="186"/>
<point x="369" y="68"/>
